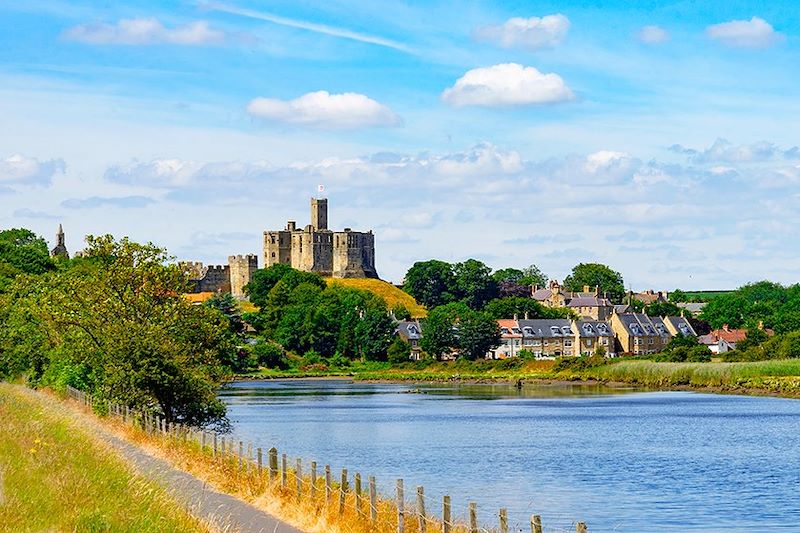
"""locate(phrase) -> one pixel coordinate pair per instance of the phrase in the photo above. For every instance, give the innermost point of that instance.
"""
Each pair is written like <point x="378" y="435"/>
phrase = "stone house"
<point x="411" y="332"/>
<point x="511" y="340"/>
<point x="548" y="337"/>
<point x="591" y="307"/>
<point x="589" y="334"/>
<point x="638" y="333"/>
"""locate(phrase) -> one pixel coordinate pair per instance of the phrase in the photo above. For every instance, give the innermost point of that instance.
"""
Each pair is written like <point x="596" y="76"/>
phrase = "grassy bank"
<point x="774" y="376"/>
<point x="55" y="477"/>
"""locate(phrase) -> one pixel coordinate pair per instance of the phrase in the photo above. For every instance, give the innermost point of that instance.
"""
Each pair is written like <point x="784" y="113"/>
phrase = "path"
<point x="222" y="510"/>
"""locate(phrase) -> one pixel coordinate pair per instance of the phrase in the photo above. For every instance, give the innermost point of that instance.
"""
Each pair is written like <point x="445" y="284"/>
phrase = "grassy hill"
<point x="387" y="291"/>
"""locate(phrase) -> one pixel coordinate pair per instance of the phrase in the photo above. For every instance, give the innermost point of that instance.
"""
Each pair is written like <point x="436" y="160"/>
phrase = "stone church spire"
<point x="60" y="249"/>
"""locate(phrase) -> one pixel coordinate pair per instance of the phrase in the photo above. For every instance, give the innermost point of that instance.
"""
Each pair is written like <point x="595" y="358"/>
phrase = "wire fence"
<point x="336" y="497"/>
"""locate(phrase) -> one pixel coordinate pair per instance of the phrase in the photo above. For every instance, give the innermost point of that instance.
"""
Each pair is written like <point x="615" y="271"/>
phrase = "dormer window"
<point x="515" y="331"/>
<point x="412" y="330"/>
<point x="555" y="331"/>
<point x="504" y="331"/>
<point x="528" y="330"/>
<point x="587" y="328"/>
<point x="635" y="329"/>
<point x="566" y="330"/>
<point x="684" y="328"/>
<point x="602" y="328"/>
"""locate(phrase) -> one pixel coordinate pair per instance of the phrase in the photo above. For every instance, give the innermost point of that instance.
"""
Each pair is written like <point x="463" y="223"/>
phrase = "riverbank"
<point x="56" y="476"/>
<point x="774" y="377"/>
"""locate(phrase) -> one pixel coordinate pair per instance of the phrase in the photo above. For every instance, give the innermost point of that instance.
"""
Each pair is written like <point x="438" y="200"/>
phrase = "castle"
<point x="315" y="248"/>
<point x="222" y="278"/>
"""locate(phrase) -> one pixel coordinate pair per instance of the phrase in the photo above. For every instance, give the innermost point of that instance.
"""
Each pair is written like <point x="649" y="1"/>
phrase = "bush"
<point x="579" y="363"/>
<point x="399" y="351"/>
<point x="338" y="361"/>
<point x="270" y="355"/>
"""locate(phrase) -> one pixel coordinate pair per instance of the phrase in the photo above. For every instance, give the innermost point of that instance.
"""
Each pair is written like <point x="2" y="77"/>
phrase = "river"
<point x="620" y="460"/>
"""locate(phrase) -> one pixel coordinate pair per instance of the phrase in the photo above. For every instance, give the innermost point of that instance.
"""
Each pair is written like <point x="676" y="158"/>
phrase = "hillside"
<point x="387" y="291"/>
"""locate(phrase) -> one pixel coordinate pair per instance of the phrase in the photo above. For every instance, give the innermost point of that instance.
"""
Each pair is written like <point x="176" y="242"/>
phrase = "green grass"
<point x="56" y="477"/>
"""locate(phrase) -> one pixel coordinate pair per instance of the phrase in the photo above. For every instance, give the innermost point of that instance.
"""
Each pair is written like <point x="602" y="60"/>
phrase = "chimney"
<point x="725" y="327"/>
<point x="516" y="317"/>
<point x="526" y="315"/>
<point x="585" y="288"/>
<point x="291" y="225"/>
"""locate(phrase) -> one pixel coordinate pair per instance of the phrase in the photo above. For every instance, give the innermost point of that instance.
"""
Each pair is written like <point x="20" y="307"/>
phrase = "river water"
<point x="620" y="460"/>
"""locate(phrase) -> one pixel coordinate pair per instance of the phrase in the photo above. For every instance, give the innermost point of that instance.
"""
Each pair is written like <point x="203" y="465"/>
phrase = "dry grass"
<point x="315" y="515"/>
<point x="54" y="476"/>
<point x="391" y="294"/>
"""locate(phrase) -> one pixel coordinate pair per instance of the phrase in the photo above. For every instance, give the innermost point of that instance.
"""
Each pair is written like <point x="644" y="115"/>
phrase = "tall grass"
<point x="775" y="376"/>
<point x="242" y="479"/>
<point x="56" y="477"/>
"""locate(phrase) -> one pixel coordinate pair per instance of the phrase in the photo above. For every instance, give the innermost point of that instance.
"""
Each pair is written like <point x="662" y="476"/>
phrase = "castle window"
<point x="273" y="254"/>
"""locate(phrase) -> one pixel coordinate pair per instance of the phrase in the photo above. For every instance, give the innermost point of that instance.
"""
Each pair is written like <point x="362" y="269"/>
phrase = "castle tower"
<point x="319" y="213"/>
<point x="60" y="249"/>
<point x="241" y="270"/>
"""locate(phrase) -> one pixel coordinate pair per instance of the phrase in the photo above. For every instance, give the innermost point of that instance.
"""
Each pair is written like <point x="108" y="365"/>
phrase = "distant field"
<point x="387" y="291"/>
<point x="704" y="296"/>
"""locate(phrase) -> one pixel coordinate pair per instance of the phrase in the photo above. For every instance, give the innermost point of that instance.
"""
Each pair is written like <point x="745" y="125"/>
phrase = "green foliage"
<point x="683" y="349"/>
<point x="578" y="363"/>
<point x="677" y="296"/>
<point x="303" y="314"/>
<point x="22" y="252"/>
<point x="778" y="307"/>
<point x="662" y="309"/>
<point x="500" y="308"/>
<point x="116" y="325"/>
<point x="432" y="283"/>
<point x="270" y="354"/>
<point x="609" y="281"/>
<point x="457" y="328"/>
<point x="474" y="283"/>
<point x="532" y="275"/>
<point x="507" y="274"/>
<point x="399" y="351"/>
<point x="227" y="305"/>
<point x="262" y="281"/>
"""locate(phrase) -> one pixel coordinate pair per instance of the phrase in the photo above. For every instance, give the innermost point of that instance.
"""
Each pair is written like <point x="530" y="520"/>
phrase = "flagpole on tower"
<point x="320" y="190"/>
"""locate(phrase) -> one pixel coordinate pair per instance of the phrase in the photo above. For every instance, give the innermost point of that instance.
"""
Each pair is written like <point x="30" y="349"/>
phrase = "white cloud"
<point x="725" y="151"/>
<point x="531" y="33"/>
<point x="145" y="31"/>
<point x="324" y="110"/>
<point x="753" y="33"/>
<point x="156" y="173"/>
<point x="508" y="84"/>
<point x="652" y="35"/>
<point x="19" y="169"/>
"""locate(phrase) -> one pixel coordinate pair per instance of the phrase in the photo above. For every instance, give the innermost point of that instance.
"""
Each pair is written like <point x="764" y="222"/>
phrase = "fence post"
<point x="203" y="442"/>
<point x="313" y="480"/>
<point x="273" y="464"/>
<point x="503" y="521"/>
<point x="298" y="474"/>
<point x="342" y="491"/>
<point x="446" y="512"/>
<point x="401" y="504"/>
<point x="327" y="485"/>
<point x="536" y="524"/>
<point x="249" y="456"/>
<point x="259" y="458"/>
<point x="580" y="527"/>
<point x="358" y="494"/>
<point x="373" y="500"/>
<point x="473" y="517"/>
<point x="283" y="471"/>
<point x="421" y="516"/>
<point x="241" y="454"/>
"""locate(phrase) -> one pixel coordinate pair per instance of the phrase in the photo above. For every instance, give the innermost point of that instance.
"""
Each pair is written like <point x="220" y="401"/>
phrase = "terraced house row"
<point x="621" y="334"/>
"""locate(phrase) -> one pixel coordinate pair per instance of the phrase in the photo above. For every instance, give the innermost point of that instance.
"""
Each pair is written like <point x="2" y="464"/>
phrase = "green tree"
<point x="227" y="305"/>
<point x="117" y="325"/>
<point x="508" y="307"/>
<point x="399" y="351"/>
<point x="474" y="283"/>
<point x="678" y="296"/>
<point x="439" y="334"/>
<point x="532" y="275"/>
<point x="478" y="333"/>
<point x="22" y="252"/>
<point x="401" y="312"/>
<point x="270" y="354"/>
<point x="263" y="280"/>
<point x="609" y="281"/>
<point x="432" y="283"/>
<point x="507" y="274"/>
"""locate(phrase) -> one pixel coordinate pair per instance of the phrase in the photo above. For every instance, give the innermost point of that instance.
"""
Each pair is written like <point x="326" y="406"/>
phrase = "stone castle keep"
<point x="315" y="248"/>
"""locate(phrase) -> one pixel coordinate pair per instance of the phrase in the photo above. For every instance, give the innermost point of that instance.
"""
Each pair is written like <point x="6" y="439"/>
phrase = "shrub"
<point x="270" y="355"/>
<point x="399" y="351"/>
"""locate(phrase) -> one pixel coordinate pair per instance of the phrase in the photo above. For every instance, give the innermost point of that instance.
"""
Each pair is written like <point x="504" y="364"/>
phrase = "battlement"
<point x="216" y="268"/>
<point x="247" y="257"/>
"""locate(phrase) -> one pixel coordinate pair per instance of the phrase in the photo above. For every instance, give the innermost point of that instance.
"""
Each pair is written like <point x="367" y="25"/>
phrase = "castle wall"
<point x="211" y="278"/>
<point x="277" y="247"/>
<point x="241" y="270"/>
<point x="354" y="255"/>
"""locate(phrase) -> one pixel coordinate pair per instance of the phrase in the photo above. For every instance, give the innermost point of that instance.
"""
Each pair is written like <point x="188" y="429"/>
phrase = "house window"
<point x="588" y="342"/>
<point x="567" y="343"/>
<point x="650" y="340"/>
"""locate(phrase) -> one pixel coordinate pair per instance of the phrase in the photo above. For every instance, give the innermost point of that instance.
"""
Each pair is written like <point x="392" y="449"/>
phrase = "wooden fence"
<point x="360" y="496"/>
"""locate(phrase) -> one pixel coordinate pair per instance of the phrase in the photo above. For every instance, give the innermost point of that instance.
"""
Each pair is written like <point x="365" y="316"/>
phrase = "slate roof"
<point x="541" y="294"/>
<point x="589" y="301"/>
<point x="546" y="327"/>
<point x="594" y="328"/>
<point x="682" y="325"/>
<point x="409" y="330"/>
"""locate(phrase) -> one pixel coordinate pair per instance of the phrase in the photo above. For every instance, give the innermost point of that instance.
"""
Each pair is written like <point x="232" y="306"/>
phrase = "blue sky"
<point x="660" y="139"/>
